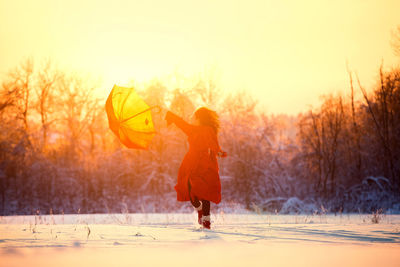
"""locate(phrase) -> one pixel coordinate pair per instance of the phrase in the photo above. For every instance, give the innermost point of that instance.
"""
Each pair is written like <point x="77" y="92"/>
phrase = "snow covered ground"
<point x="177" y="240"/>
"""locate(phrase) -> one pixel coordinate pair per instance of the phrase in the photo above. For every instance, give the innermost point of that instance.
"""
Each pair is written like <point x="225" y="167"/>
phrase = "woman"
<point x="198" y="175"/>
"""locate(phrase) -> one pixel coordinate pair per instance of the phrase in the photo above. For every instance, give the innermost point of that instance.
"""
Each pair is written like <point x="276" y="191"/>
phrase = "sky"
<point x="285" y="54"/>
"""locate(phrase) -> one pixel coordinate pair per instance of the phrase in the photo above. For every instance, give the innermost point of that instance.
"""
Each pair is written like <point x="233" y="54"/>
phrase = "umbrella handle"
<point x="156" y="106"/>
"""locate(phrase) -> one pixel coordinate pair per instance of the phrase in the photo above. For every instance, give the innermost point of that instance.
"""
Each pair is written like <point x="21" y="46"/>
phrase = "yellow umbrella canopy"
<point x="129" y="117"/>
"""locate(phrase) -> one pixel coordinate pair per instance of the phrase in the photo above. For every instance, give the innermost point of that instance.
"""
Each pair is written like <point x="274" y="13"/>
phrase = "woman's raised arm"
<point x="186" y="127"/>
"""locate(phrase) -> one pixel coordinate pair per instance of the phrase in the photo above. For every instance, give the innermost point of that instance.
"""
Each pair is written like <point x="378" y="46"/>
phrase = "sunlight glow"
<point x="284" y="53"/>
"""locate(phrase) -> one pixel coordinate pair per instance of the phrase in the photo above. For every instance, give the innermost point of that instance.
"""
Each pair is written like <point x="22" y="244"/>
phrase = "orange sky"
<point x="284" y="53"/>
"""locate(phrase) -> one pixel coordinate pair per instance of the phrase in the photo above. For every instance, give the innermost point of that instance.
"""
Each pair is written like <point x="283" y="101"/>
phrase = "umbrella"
<point x="129" y="117"/>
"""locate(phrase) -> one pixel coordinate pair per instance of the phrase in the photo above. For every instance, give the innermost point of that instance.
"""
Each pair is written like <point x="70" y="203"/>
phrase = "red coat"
<point x="200" y="165"/>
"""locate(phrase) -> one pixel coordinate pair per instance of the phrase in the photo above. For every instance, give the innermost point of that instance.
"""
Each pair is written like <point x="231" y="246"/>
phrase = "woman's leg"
<point x="206" y="207"/>
<point x="195" y="202"/>
<point x="206" y="214"/>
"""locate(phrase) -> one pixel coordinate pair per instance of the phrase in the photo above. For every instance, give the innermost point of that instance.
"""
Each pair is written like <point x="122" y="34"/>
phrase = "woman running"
<point x="198" y="175"/>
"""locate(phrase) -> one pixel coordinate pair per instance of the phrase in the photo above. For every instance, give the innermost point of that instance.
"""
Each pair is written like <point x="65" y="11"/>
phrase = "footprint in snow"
<point x="210" y="236"/>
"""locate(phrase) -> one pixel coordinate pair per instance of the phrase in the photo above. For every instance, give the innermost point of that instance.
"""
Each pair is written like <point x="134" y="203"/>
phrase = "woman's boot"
<point x="206" y="222"/>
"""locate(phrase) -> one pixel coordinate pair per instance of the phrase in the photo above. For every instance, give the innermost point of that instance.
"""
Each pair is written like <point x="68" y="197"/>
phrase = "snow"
<point x="175" y="239"/>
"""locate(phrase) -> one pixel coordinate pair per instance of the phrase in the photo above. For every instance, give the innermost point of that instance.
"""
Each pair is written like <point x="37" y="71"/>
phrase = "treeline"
<point x="58" y="155"/>
<point x="349" y="147"/>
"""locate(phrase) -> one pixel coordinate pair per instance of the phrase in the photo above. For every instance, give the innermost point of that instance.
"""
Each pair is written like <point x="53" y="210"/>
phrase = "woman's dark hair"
<point x="208" y="117"/>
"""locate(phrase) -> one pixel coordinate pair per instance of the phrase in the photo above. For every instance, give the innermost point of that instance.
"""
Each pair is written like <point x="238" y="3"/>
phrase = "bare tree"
<point x="95" y="123"/>
<point x="78" y="108"/>
<point x="45" y="93"/>
<point x="319" y="136"/>
<point x="395" y="42"/>
<point x="384" y="109"/>
<point x="17" y="91"/>
<point x="181" y="103"/>
<point x="356" y="135"/>
<point x="208" y="92"/>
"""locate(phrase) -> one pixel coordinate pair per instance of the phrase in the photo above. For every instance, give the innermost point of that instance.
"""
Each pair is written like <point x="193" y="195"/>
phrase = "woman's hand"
<point x="222" y="154"/>
<point x="168" y="117"/>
